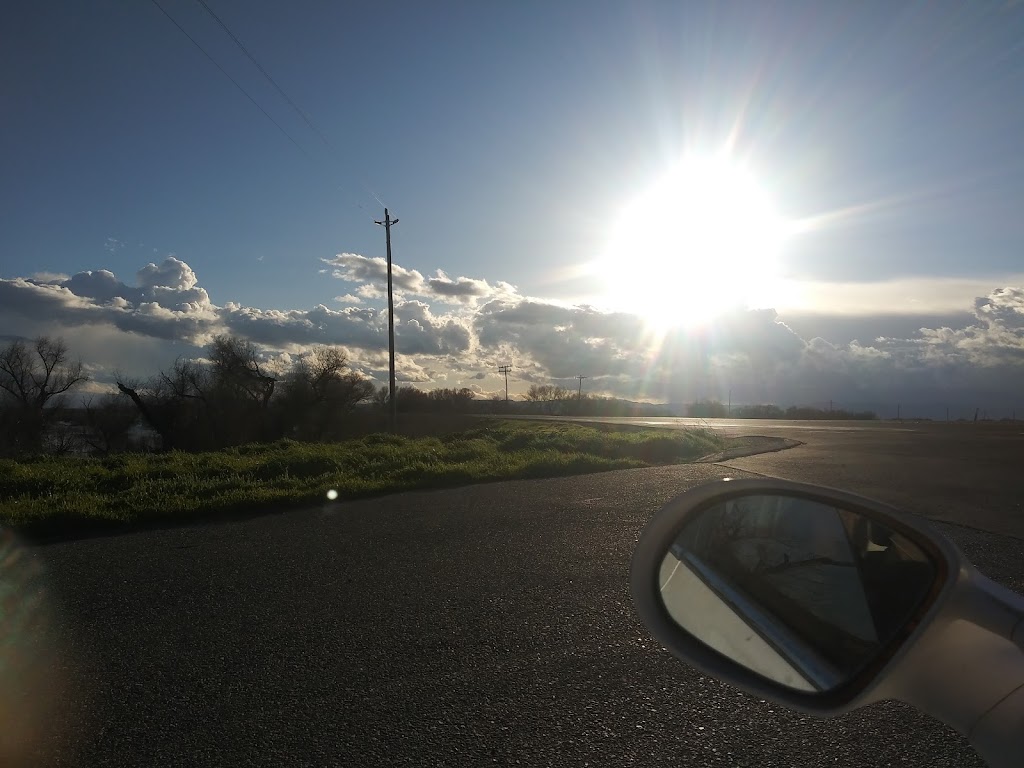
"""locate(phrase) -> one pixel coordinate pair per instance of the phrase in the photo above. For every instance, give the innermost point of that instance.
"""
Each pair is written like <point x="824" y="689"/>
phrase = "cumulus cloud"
<point x="460" y="329"/>
<point x="371" y="273"/>
<point x="442" y="285"/>
<point x="168" y="303"/>
<point x="172" y="273"/>
<point x="997" y="336"/>
<point x="353" y="268"/>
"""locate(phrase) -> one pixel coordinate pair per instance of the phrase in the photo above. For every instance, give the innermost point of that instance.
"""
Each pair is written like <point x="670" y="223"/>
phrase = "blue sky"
<point x="507" y="137"/>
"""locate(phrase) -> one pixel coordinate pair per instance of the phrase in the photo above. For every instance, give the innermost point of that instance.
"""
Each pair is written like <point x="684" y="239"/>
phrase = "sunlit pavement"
<point x="965" y="473"/>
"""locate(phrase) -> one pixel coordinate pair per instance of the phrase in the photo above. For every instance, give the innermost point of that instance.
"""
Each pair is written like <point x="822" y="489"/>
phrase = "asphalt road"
<point x="489" y="625"/>
<point x="965" y="473"/>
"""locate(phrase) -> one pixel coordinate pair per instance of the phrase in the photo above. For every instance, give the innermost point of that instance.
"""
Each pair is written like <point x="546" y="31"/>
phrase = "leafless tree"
<point x="547" y="396"/>
<point x="546" y="393"/>
<point x="173" y="404"/>
<point x="33" y="378"/>
<point x="108" y="421"/>
<point x="235" y="367"/>
<point x="231" y="397"/>
<point x="318" y="393"/>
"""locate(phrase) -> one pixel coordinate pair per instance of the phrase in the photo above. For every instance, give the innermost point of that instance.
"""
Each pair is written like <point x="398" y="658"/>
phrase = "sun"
<point x="703" y="239"/>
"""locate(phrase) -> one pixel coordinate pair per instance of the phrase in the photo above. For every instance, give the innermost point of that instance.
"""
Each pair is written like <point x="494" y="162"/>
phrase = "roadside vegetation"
<point x="232" y="432"/>
<point x="46" y="492"/>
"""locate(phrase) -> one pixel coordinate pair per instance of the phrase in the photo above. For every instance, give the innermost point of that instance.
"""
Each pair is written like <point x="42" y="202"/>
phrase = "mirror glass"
<point x="800" y="592"/>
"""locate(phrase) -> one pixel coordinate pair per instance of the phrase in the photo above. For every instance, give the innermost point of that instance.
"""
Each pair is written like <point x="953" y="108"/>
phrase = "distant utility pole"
<point x="579" y="392"/>
<point x="388" y="221"/>
<point x="729" y="411"/>
<point x="505" y="369"/>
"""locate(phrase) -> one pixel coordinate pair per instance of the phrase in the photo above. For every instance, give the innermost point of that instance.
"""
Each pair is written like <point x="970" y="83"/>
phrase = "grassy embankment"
<point x="44" y="492"/>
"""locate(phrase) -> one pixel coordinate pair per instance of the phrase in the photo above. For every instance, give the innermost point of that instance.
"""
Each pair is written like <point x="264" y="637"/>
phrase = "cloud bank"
<point x="456" y="330"/>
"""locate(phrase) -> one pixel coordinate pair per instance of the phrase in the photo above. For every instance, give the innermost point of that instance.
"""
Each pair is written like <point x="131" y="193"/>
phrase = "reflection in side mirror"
<point x="800" y="592"/>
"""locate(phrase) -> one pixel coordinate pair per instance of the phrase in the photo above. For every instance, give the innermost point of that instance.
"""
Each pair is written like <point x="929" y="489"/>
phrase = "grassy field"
<point x="49" y="492"/>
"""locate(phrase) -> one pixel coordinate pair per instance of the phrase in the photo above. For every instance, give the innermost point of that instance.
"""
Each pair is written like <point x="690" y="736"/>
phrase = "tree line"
<point x="714" y="409"/>
<point x="229" y="397"/>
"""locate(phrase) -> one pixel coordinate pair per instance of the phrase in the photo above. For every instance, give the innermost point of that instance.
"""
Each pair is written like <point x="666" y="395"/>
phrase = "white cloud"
<point x="460" y="329"/>
<point x="370" y="292"/>
<point x="372" y="275"/>
<point x="49" y="277"/>
<point x="353" y="268"/>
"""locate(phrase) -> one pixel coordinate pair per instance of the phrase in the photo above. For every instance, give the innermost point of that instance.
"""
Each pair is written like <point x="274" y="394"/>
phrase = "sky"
<point x="785" y="202"/>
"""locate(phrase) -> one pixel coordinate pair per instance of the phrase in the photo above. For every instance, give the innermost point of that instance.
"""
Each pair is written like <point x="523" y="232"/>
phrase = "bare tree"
<point x="547" y="395"/>
<point x="174" y="404"/>
<point x="235" y="367"/>
<point x="33" y="379"/>
<point x="231" y="398"/>
<point x="109" y="420"/>
<point x="319" y="392"/>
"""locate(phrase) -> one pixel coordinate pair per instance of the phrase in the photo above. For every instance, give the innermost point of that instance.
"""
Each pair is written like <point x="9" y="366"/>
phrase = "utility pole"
<point x="579" y="392"/>
<point x="505" y="369"/>
<point x="729" y="407"/>
<point x="388" y="221"/>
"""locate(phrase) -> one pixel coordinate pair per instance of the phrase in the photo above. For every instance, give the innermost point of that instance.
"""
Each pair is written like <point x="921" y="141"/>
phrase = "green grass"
<point x="49" y="492"/>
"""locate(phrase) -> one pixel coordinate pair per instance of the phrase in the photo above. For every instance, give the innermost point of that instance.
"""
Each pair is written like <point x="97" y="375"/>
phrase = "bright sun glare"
<point x="702" y="239"/>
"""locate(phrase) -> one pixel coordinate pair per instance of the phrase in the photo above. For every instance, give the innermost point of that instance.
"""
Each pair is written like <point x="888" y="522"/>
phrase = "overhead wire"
<point x="298" y="110"/>
<point x="234" y="82"/>
<point x="257" y="104"/>
<point x="291" y="102"/>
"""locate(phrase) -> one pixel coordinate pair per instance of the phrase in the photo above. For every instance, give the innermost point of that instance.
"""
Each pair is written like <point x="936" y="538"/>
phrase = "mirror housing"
<point x="959" y="659"/>
<point x="663" y="530"/>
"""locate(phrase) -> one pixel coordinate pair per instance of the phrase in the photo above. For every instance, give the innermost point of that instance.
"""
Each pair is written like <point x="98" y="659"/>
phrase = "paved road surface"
<point x="966" y="473"/>
<point x="483" y="626"/>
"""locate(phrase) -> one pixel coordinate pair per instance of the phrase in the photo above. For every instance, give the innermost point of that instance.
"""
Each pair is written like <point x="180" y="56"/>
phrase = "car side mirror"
<point x="824" y="601"/>
<point x="796" y="589"/>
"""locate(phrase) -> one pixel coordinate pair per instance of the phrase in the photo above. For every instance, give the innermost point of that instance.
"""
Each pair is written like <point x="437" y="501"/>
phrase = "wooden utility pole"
<point x="505" y="369"/>
<point x="388" y="221"/>
<point x="579" y="392"/>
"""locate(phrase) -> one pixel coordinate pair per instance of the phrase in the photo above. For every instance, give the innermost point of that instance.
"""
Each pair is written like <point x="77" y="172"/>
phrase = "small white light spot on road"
<point x="332" y="494"/>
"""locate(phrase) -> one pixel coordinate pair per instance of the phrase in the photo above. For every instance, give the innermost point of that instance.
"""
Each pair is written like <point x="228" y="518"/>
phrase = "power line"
<point x="298" y="110"/>
<point x="234" y="82"/>
<point x="280" y="90"/>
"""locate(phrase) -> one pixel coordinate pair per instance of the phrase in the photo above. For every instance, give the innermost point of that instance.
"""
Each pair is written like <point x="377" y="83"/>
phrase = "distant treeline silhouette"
<point x="230" y="397"/>
<point x="714" y="409"/>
